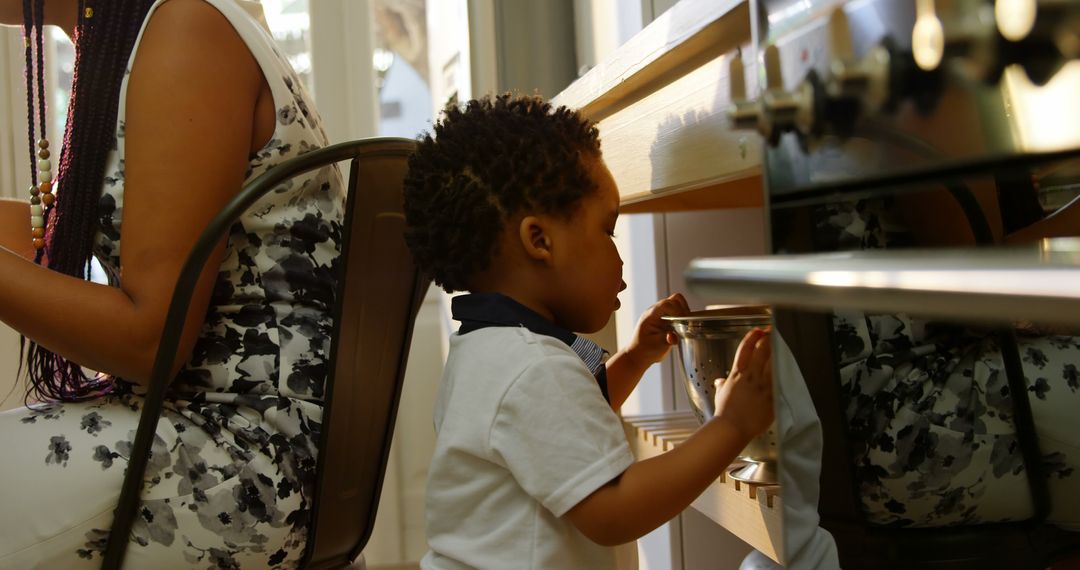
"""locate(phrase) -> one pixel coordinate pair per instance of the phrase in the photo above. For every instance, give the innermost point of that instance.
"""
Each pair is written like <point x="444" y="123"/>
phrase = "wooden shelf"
<point x="750" y="512"/>
<point x="661" y="102"/>
<point x="739" y="192"/>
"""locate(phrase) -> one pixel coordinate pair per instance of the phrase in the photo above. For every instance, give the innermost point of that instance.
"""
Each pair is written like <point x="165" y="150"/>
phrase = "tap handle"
<point x="840" y="35"/>
<point x="774" y="79"/>
<point x="737" y="77"/>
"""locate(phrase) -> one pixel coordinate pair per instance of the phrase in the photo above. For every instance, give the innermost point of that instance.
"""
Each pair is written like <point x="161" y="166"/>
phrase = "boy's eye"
<point x="611" y="233"/>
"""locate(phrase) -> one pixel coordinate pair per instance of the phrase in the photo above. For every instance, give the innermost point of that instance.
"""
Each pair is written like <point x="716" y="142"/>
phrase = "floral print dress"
<point x="230" y="481"/>
<point x="929" y="412"/>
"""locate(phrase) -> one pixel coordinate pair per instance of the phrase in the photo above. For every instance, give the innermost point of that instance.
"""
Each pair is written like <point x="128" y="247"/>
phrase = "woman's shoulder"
<point x="181" y="33"/>
<point x="190" y="50"/>
<point x="198" y="19"/>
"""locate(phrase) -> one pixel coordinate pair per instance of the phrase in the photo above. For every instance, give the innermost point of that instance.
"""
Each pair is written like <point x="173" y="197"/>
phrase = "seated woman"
<point x="175" y="105"/>
<point x="929" y="411"/>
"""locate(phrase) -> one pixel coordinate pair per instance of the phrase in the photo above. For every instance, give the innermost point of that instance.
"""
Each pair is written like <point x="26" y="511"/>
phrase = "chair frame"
<point x="216" y="229"/>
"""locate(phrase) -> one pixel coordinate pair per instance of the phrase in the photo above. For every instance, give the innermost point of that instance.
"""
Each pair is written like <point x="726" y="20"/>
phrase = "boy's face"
<point x="587" y="267"/>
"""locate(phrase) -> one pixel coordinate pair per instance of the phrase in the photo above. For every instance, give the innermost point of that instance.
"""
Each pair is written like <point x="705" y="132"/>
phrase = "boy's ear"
<point x="535" y="238"/>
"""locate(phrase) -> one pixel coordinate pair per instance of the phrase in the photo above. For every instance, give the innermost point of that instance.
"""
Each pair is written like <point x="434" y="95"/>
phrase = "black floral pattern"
<point x="928" y="406"/>
<point x="58" y="451"/>
<point x="93" y="423"/>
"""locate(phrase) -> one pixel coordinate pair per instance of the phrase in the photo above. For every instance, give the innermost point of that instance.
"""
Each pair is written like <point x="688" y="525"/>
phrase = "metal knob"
<point x="866" y="80"/>
<point x="1039" y="35"/>
<point x="785" y="110"/>
<point x="967" y="34"/>
<point x="745" y="113"/>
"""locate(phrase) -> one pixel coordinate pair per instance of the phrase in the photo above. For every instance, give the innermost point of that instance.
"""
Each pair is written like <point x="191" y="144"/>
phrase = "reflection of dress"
<point x="929" y="411"/>
<point x="232" y="471"/>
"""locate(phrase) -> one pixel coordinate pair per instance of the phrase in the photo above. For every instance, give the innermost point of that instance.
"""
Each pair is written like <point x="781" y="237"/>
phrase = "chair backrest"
<point x="379" y="294"/>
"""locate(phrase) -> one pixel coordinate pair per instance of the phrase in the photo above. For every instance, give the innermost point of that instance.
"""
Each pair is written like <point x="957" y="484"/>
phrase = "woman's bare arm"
<point x="189" y="122"/>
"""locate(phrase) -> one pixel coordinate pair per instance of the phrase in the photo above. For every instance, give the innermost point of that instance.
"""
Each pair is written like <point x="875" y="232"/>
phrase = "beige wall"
<point x="10" y="396"/>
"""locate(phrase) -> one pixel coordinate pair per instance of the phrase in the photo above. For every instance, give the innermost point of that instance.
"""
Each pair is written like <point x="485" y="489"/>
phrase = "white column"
<point x="601" y="26"/>
<point x="483" y="64"/>
<point x="14" y="160"/>
<point x="342" y="43"/>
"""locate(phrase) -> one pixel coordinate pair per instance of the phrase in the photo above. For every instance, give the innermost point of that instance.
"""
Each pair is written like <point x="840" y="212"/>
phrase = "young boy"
<point x="511" y="202"/>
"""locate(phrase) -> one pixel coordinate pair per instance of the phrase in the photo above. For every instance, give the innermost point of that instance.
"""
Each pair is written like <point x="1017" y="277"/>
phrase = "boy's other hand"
<point x="744" y="400"/>
<point x="653" y="336"/>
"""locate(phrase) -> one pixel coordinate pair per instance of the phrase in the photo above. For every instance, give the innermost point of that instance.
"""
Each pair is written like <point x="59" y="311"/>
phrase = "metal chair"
<point x="378" y="295"/>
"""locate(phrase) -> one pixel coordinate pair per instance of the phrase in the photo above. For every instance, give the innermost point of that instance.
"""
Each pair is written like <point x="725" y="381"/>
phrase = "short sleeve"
<point x="557" y="435"/>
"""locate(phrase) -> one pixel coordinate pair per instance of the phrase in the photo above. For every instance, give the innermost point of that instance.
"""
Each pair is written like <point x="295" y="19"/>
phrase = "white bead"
<point x="44" y="175"/>
<point x="37" y="222"/>
<point x="35" y="210"/>
<point x="44" y="164"/>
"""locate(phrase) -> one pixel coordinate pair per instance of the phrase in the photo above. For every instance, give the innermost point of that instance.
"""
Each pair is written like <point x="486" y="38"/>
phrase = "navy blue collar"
<point x="481" y="310"/>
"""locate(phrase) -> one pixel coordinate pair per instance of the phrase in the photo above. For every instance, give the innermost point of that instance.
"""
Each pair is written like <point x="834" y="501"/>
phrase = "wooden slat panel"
<point x="750" y="512"/>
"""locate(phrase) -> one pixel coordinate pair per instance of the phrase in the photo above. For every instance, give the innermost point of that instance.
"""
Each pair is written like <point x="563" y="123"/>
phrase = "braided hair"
<point x="104" y="39"/>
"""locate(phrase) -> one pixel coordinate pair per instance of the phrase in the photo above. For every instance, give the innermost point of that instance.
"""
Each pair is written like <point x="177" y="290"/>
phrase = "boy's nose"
<point x="623" y="288"/>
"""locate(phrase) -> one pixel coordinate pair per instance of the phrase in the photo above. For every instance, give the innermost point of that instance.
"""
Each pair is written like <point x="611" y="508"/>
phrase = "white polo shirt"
<point x="523" y="435"/>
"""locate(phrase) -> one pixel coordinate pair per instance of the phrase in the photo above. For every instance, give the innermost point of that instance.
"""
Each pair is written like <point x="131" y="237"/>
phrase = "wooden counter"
<point x="750" y="512"/>
<point x="661" y="102"/>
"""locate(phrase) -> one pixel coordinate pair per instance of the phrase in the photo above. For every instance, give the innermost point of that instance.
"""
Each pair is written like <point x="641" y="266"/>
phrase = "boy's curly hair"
<point x="486" y="163"/>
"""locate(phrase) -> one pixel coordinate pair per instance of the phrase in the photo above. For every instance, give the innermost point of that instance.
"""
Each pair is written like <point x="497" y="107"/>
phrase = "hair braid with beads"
<point x="104" y="37"/>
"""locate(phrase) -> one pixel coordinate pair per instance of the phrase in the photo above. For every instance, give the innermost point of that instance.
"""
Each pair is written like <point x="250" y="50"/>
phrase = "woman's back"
<point x="266" y="333"/>
<point x="232" y="468"/>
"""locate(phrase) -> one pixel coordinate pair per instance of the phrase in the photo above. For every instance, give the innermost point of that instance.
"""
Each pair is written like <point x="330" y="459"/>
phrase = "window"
<point x="290" y="24"/>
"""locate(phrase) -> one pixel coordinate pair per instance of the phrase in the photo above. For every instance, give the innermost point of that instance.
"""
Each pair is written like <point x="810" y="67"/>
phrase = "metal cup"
<point x="708" y="341"/>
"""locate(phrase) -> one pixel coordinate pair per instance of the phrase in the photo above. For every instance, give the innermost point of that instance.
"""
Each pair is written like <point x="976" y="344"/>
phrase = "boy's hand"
<point x="744" y="399"/>
<point x="654" y="337"/>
